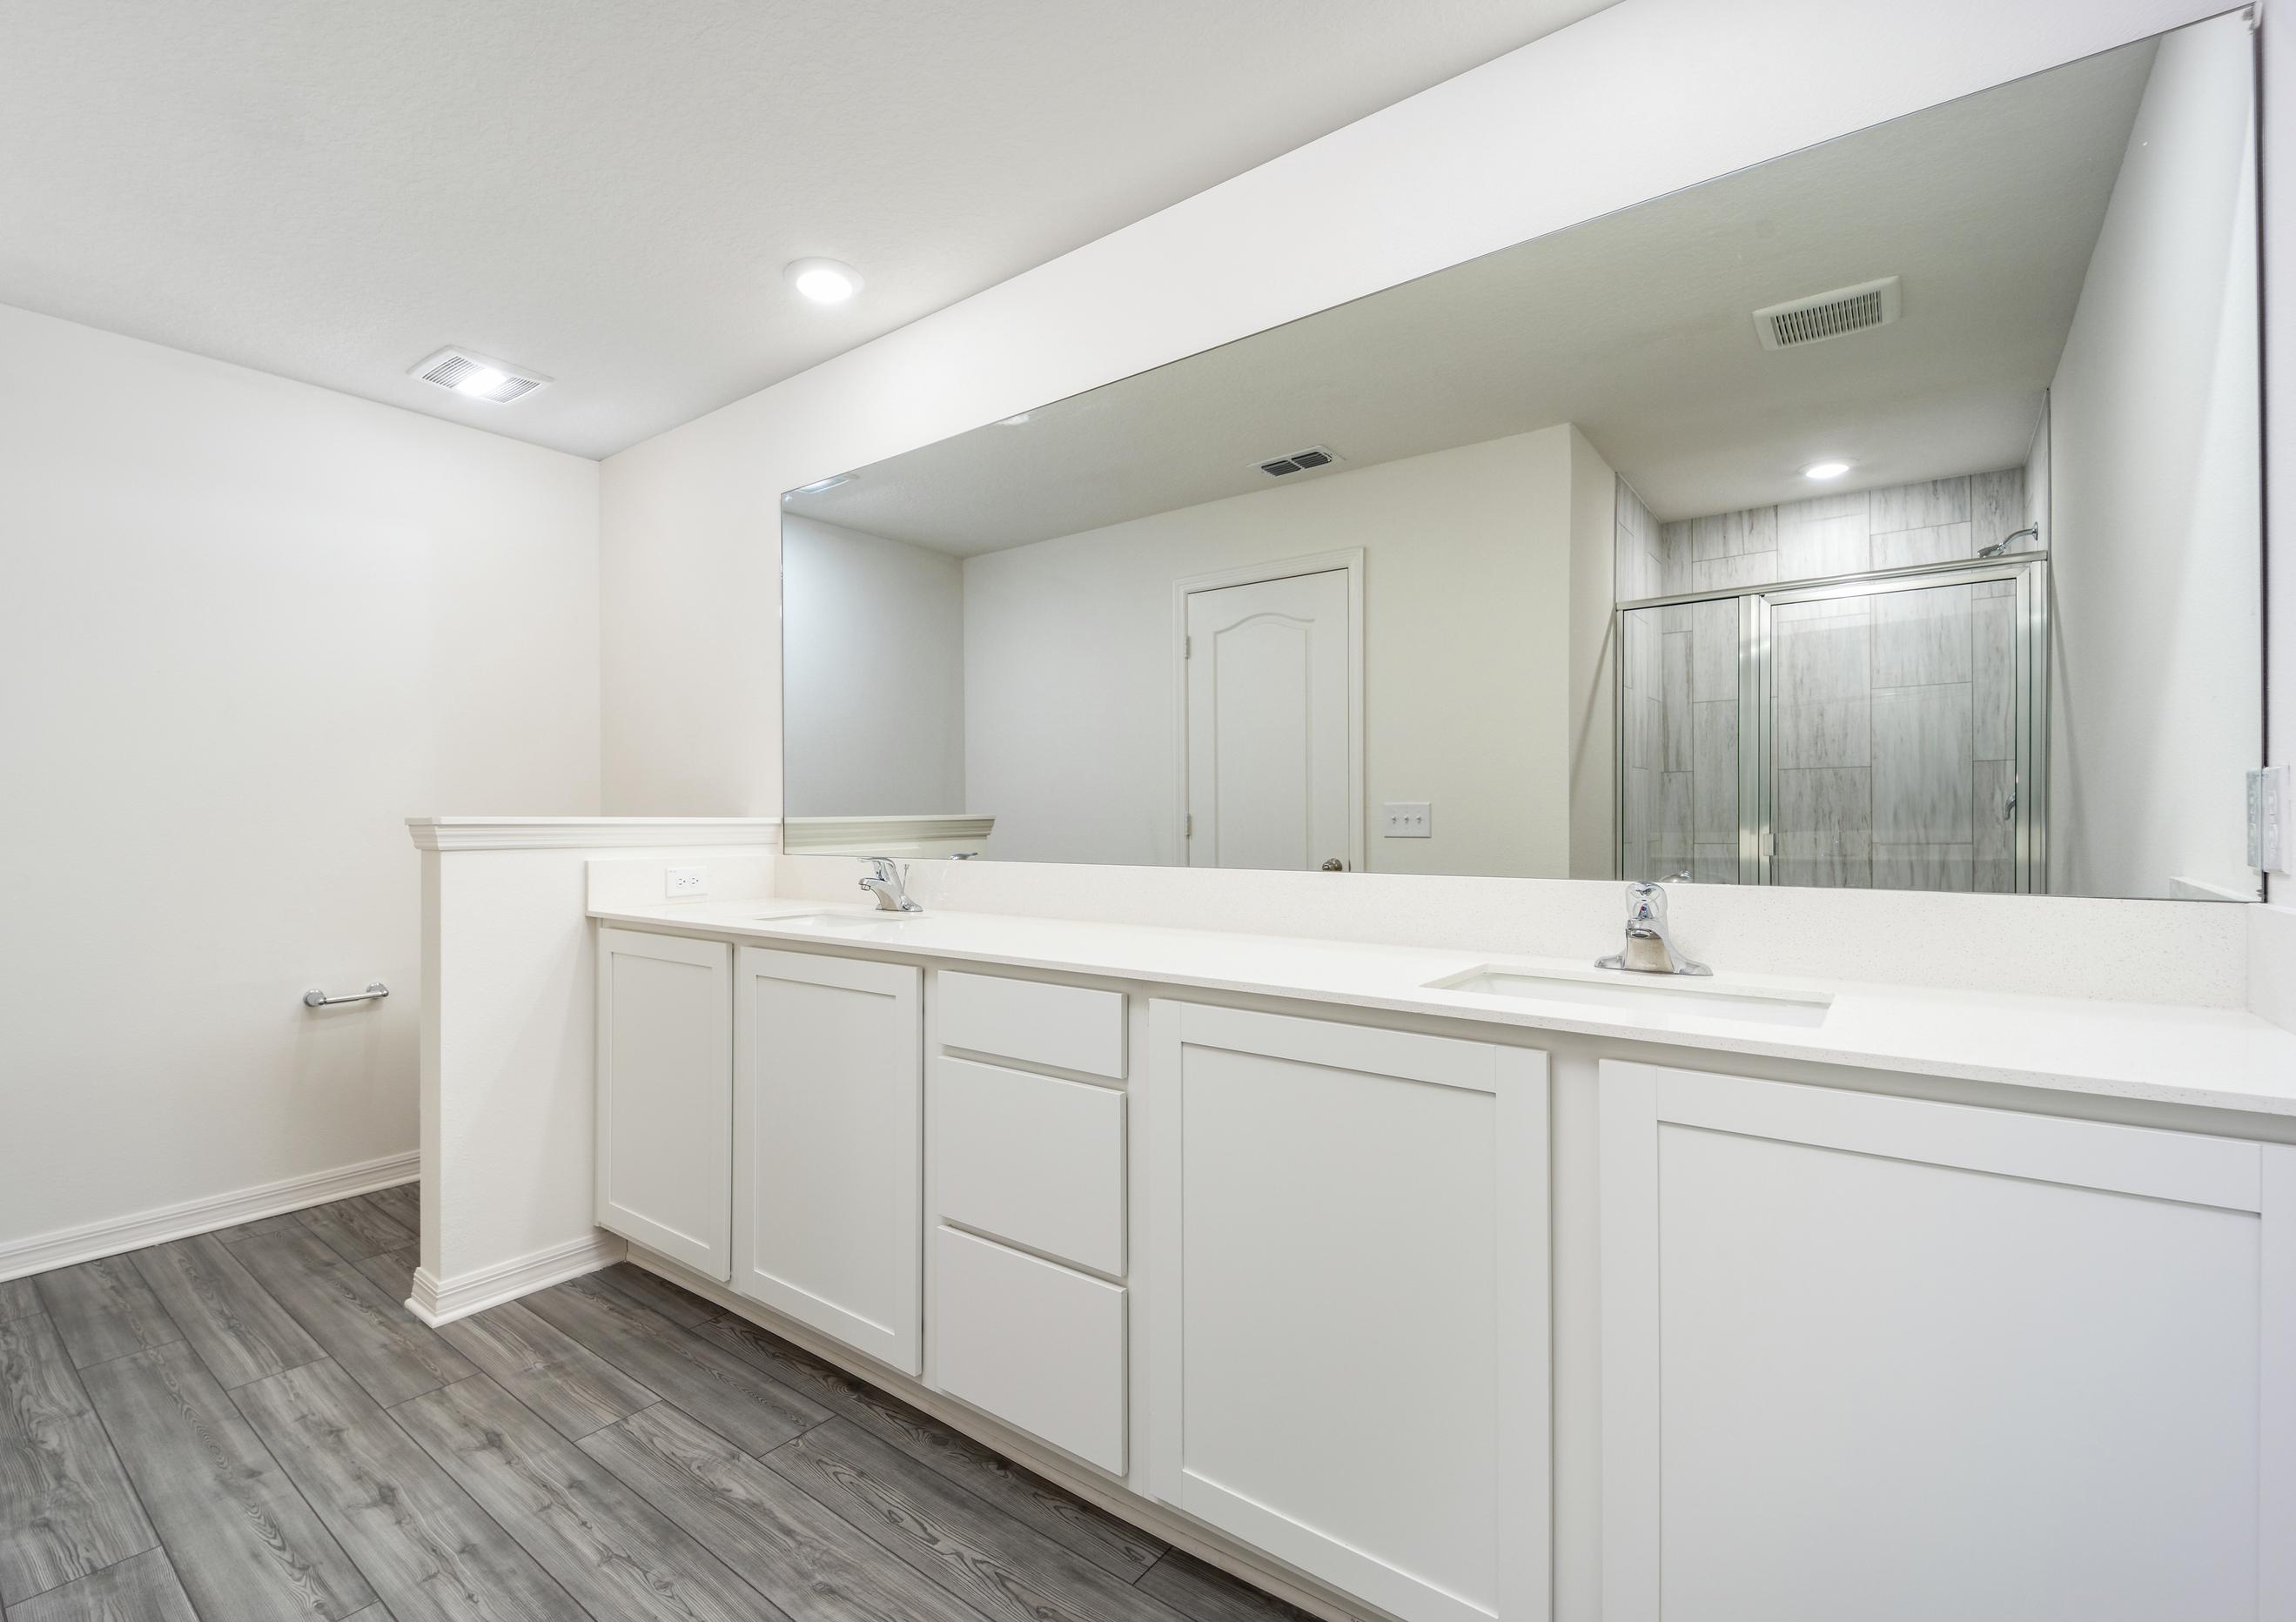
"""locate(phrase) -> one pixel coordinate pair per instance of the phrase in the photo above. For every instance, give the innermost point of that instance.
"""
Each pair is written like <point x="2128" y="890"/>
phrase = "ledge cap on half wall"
<point x="588" y="833"/>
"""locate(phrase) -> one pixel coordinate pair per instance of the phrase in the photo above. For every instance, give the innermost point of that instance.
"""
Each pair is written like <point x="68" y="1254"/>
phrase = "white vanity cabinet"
<point x="1349" y="1346"/>
<point x="827" y="1146"/>
<point x="1890" y="1358"/>
<point x="1029" y="1302"/>
<point x="665" y="1095"/>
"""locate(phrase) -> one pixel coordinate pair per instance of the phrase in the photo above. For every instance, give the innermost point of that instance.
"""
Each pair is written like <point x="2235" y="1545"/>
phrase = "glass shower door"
<point x="1682" y="714"/>
<point x="1899" y="728"/>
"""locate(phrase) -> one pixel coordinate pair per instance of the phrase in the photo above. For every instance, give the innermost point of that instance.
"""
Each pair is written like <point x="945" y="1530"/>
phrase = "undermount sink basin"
<point x="844" y="921"/>
<point x="1666" y="997"/>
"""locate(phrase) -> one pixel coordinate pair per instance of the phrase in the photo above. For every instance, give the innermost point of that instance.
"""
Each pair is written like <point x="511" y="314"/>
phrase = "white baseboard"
<point x="437" y="1301"/>
<point x="43" y="1252"/>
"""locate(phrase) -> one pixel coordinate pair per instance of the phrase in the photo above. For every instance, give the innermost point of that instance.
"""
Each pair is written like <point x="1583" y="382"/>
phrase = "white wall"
<point x="246" y="627"/>
<point x="1070" y="677"/>
<point x="1526" y="145"/>
<point x="1594" y="690"/>
<point x="873" y="659"/>
<point x="2156" y="709"/>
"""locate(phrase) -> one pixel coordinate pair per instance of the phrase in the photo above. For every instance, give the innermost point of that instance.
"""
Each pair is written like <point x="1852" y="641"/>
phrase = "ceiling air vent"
<point x="466" y="372"/>
<point x="1823" y="315"/>
<point x="1298" y="462"/>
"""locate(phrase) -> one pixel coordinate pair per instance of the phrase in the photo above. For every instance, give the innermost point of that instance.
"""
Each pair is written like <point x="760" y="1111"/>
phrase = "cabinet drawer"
<point x="1037" y="1346"/>
<point x="1030" y="1159"/>
<point x="1070" y="1028"/>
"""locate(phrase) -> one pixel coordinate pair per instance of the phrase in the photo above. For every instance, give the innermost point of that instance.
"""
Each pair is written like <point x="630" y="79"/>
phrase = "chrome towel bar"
<point x="316" y="998"/>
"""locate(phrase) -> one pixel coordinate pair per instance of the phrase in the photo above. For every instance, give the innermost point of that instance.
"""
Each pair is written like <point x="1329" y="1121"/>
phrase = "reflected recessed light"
<point x="1825" y="469"/>
<point x="819" y="485"/>
<point x="824" y="280"/>
<point x="1014" y="421"/>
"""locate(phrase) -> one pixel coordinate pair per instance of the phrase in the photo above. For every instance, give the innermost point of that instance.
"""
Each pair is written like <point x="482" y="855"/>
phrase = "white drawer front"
<point x="1039" y="1347"/>
<point x="1069" y="1028"/>
<point x="1030" y="1159"/>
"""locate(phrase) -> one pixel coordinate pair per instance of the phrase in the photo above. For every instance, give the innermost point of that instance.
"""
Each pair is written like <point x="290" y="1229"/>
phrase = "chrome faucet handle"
<point x="1649" y="948"/>
<point x="888" y="882"/>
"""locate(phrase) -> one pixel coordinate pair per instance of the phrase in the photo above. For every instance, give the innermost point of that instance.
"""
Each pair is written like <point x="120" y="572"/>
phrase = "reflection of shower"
<point x="2007" y="541"/>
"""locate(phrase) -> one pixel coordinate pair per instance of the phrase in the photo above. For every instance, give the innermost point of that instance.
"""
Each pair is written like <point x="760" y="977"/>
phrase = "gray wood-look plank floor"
<point x="249" y="1424"/>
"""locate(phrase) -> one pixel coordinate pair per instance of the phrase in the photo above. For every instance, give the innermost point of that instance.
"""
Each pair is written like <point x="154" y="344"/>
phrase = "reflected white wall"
<point x="873" y="674"/>
<point x="1070" y="682"/>
<point x="2155" y="710"/>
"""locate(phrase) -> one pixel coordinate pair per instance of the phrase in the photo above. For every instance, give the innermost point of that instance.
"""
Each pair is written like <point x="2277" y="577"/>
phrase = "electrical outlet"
<point x="685" y="883"/>
<point x="1409" y="819"/>
<point x="2272" y="820"/>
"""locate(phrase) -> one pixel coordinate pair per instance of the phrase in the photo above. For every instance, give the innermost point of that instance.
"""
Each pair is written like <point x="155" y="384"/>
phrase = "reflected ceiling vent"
<point x="1298" y="462"/>
<point x="468" y="373"/>
<point x="1823" y="315"/>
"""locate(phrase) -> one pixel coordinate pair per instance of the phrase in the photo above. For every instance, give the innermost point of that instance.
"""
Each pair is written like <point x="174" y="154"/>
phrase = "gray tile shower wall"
<point x="1893" y="724"/>
<point x="1933" y="521"/>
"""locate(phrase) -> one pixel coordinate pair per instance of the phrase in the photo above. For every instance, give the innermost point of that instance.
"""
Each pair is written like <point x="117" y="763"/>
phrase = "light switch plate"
<point x="1409" y="819"/>
<point x="685" y="883"/>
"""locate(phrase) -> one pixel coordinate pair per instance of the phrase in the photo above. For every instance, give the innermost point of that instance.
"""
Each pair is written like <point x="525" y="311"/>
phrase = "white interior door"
<point x="1269" y="750"/>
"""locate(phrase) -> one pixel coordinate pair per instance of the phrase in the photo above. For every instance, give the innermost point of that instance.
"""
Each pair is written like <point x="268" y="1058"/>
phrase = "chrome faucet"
<point x="1649" y="948"/>
<point x="890" y="884"/>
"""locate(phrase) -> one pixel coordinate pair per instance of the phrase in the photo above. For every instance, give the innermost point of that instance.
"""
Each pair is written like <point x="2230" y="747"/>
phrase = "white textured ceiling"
<point x="1637" y="327"/>
<point x="607" y="190"/>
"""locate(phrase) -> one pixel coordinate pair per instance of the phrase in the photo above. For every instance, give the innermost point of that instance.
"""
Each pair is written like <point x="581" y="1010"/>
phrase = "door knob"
<point x="1334" y="865"/>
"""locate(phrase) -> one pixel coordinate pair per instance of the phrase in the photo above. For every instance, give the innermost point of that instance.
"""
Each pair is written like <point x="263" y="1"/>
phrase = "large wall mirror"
<point x="1887" y="515"/>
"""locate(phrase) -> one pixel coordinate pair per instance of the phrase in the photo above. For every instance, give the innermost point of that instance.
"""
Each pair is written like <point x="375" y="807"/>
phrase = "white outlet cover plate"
<point x="685" y="883"/>
<point x="1409" y="819"/>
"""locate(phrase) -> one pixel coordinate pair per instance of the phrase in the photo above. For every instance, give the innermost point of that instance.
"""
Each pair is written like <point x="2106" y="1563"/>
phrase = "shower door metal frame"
<point x="2027" y="571"/>
<point x="1757" y="771"/>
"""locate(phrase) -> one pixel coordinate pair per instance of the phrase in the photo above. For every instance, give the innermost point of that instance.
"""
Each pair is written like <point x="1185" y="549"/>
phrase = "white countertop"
<point x="2219" y="1058"/>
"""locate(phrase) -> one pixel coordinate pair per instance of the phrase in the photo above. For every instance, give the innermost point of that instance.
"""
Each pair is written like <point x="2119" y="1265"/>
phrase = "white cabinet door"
<point x="1898" y="1360"/>
<point x="1346" y="1279"/>
<point x="828" y="1156"/>
<point x="665" y="1095"/>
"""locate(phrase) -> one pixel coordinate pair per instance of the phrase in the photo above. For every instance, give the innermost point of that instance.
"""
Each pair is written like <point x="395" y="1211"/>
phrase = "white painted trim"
<point x="588" y="833"/>
<point x="110" y="1237"/>
<point x="1350" y="559"/>
<point x="437" y="1301"/>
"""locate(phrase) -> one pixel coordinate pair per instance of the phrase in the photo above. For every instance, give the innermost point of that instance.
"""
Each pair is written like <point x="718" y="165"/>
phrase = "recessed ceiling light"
<point x="1014" y="421"/>
<point x="819" y="485"/>
<point x="1825" y="469"/>
<point x="824" y="280"/>
<point x="480" y="377"/>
